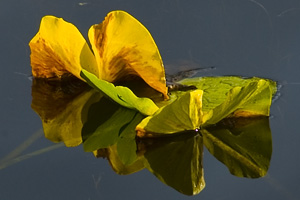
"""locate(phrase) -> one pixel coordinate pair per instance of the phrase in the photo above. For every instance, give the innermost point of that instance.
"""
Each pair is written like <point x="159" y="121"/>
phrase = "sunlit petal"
<point x="59" y="48"/>
<point x="122" y="47"/>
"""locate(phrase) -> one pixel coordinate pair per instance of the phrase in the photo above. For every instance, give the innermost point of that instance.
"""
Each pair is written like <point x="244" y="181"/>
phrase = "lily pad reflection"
<point x="243" y="145"/>
<point x="178" y="162"/>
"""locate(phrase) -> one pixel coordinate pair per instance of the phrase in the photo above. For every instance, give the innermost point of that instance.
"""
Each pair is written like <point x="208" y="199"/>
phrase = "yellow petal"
<point x="122" y="47"/>
<point x="59" y="48"/>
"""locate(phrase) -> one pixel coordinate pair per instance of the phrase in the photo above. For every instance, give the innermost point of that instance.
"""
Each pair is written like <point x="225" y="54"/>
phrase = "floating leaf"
<point x="252" y="100"/>
<point x="122" y="95"/>
<point x="215" y="89"/>
<point x="122" y="47"/>
<point x="222" y="97"/>
<point x="58" y="49"/>
<point x="183" y="114"/>
<point x="243" y="145"/>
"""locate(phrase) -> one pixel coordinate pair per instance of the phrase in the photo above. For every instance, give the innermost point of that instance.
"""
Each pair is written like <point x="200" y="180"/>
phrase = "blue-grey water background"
<point x="238" y="37"/>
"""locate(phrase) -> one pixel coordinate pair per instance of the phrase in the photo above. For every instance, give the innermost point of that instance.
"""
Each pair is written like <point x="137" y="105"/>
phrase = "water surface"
<point x="246" y="38"/>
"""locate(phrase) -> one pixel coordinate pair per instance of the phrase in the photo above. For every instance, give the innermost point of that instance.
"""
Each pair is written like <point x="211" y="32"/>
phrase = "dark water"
<point x="238" y="37"/>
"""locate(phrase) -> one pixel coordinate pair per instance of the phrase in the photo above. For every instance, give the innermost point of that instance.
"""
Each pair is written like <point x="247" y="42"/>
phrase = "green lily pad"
<point x="221" y="97"/>
<point x="252" y="100"/>
<point x="215" y="89"/>
<point x="121" y="95"/>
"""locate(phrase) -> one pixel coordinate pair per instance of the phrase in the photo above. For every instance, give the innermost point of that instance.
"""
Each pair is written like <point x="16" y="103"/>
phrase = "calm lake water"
<point x="239" y="37"/>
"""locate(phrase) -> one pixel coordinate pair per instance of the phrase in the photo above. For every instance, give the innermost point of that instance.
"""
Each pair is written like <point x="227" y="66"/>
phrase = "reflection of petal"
<point x="243" y="145"/>
<point x="59" y="48"/>
<point x="177" y="162"/>
<point x="111" y="153"/>
<point x="61" y="109"/>
<point x="123" y="46"/>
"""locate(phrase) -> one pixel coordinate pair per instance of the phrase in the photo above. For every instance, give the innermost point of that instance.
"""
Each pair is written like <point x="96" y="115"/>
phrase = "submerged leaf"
<point x="58" y="49"/>
<point x="122" y="95"/>
<point x="183" y="114"/>
<point x="122" y="47"/>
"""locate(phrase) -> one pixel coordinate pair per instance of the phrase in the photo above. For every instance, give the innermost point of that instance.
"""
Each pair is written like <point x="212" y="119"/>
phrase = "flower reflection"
<point x="73" y="116"/>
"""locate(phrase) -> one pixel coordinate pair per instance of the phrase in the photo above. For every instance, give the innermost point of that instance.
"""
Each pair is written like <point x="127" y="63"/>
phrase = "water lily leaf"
<point x="252" y="100"/>
<point x="177" y="162"/>
<point x="183" y="114"/>
<point x="121" y="95"/>
<point x="58" y="49"/>
<point x="122" y="47"/>
<point x="244" y="145"/>
<point x="216" y="88"/>
<point x="222" y="97"/>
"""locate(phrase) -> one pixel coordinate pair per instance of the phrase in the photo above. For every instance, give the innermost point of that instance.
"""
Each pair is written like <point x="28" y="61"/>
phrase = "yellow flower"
<point x="121" y="46"/>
